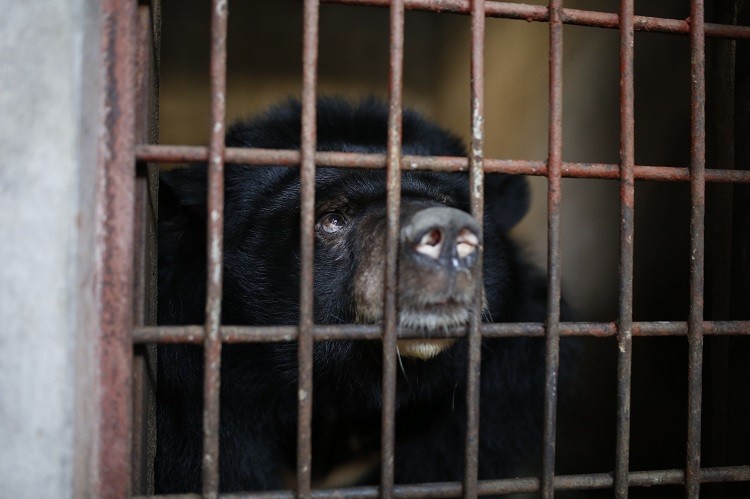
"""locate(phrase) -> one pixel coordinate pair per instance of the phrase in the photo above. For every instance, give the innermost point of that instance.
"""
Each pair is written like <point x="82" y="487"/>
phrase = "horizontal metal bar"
<point x="509" y="486"/>
<point x="540" y="13"/>
<point x="266" y="334"/>
<point x="189" y="154"/>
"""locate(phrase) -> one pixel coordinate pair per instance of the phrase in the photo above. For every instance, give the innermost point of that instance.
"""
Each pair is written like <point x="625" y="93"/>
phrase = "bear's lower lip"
<point x="428" y="319"/>
<point x="423" y="349"/>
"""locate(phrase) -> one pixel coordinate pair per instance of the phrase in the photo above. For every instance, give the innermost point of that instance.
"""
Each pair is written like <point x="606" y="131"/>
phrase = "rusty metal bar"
<point x="393" y="202"/>
<point x="185" y="154"/>
<point x="115" y="186"/>
<point x="554" y="195"/>
<point x="307" y="240"/>
<point x="245" y="334"/>
<point x="539" y="13"/>
<point x="697" y="245"/>
<point x="476" y="195"/>
<point x="506" y="486"/>
<point x="214" y="250"/>
<point x="627" y="230"/>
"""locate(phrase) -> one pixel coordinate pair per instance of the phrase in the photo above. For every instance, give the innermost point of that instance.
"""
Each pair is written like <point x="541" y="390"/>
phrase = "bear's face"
<point x="438" y="245"/>
<point x="438" y="248"/>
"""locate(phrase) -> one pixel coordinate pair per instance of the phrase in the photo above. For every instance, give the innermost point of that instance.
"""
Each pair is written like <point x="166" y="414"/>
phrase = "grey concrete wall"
<point x="48" y="122"/>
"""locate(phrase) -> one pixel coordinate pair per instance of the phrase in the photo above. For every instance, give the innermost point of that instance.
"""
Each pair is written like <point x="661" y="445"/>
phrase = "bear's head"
<point x="439" y="241"/>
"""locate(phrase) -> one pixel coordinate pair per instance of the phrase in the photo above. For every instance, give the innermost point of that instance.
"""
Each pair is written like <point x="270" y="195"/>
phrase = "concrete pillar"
<point x="49" y="121"/>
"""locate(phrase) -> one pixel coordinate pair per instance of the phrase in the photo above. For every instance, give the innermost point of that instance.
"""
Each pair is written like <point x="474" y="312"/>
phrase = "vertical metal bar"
<point x="144" y="305"/>
<point x="697" y="230"/>
<point x="307" y="215"/>
<point x="393" y="181"/>
<point x="553" y="250"/>
<point x="114" y="193"/>
<point x="214" y="250"/>
<point x="627" y="229"/>
<point x="476" y="181"/>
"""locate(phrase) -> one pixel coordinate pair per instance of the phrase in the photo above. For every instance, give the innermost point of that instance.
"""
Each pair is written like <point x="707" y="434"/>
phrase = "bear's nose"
<point x="446" y="236"/>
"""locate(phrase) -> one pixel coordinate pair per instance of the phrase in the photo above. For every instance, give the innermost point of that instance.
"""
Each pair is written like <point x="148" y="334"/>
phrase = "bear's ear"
<point x="183" y="189"/>
<point x="506" y="199"/>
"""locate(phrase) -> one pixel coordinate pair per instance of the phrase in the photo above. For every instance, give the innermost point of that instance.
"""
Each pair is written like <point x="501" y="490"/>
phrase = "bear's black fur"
<point x="261" y="287"/>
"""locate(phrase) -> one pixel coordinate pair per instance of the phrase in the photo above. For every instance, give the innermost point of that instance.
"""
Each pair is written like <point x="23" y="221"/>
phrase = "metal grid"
<point x="123" y="32"/>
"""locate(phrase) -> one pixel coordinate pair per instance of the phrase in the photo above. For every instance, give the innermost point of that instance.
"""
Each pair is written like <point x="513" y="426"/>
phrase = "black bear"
<point x="438" y="281"/>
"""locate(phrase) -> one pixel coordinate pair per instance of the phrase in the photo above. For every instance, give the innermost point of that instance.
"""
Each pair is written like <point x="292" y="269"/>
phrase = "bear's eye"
<point x="331" y="222"/>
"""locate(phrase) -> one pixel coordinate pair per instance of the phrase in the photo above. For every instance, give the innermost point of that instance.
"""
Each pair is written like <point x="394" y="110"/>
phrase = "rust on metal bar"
<point x="697" y="245"/>
<point x="627" y="230"/>
<point x="111" y="459"/>
<point x="183" y="154"/>
<point x="246" y="334"/>
<point x="214" y="250"/>
<point x="505" y="486"/>
<point x="539" y="13"/>
<point x="554" y="197"/>
<point x="308" y="145"/>
<point x="393" y="204"/>
<point x="476" y="196"/>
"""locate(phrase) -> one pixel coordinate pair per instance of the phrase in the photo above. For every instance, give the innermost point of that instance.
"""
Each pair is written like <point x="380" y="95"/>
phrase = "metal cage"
<point x="131" y="34"/>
